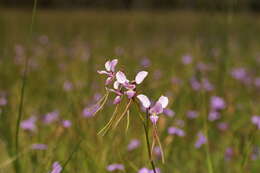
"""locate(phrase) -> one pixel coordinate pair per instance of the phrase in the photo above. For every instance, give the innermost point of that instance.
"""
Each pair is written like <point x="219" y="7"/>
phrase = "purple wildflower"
<point x="3" y="101"/>
<point x="195" y="84"/>
<point x="135" y="143"/>
<point x="217" y="103"/>
<point x="229" y="153"/>
<point x="169" y="112"/>
<point x="67" y="86"/>
<point x="39" y="146"/>
<point x="115" y="167"/>
<point x="201" y="140"/>
<point x="256" y="120"/>
<point x="257" y="82"/>
<point x="239" y="73"/>
<point x="192" y="114"/>
<point x="187" y="59"/>
<point x="56" y="168"/>
<point x="29" y="124"/>
<point x="223" y="126"/>
<point x="145" y="62"/>
<point x="176" y="131"/>
<point x="90" y="111"/>
<point x="66" y="123"/>
<point x="213" y="115"/>
<point x="146" y="170"/>
<point x="50" y="117"/>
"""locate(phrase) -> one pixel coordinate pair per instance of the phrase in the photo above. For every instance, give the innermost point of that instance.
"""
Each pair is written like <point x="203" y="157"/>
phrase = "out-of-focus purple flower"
<point x="176" y="131"/>
<point x="201" y="140"/>
<point x="66" y="123"/>
<point x="217" y="103"/>
<point x="187" y="59"/>
<point x="135" y="143"/>
<point x="115" y="167"/>
<point x="180" y="123"/>
<point x="90" y="111"/>
<point x="176" y="81"/>
<point x="239" y="73"/>
<point x="56" y="168"/>
<point x="3" y="101"/>
<point x="195" y="84"/>
<point x="207" y="85"/>
<point x="229" y="153"/>
<point x="256" y="120"/>
<point x="51" y="117"/>
<point x="157" y="151"/>
<point x="29" y="124"/>
<point x="192" y="114"/>
<point x="97" y="96"/>
<point x="67" y="86"/>
<point x="203" y="67"/>
<point x="145" y="62"/>
<point x="146" y="170"/>
<point x="223" y="126"/>
<point x="169" y="112"/>
<point x="39" y="147"/>
<point x="257" y="82"/>
<point x="213" y="115"/>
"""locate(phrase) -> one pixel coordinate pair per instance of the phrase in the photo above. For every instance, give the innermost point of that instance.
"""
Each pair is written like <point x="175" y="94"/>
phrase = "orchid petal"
<point x="108" y="65"/>
<point x="109" y="80"/>
<point x="102" y="72"/>
<point x="113" y="64"/>
<point x="130" y="93"/>
<point x="116" y="85"/>
<point x="117" y="100"/>
<point x="164" y="101"/>
<point x="120" y="77"/>
<point x="140" y="76"/>
<point x="144" y="100"/>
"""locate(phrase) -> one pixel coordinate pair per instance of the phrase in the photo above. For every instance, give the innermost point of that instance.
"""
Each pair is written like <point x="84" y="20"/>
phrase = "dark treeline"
<point x="220" y="5"/>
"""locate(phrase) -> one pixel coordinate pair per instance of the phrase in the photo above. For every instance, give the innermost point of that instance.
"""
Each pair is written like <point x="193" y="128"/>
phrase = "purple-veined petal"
<point x="108" y="65"/>
<point x="113" y="64"/>
<point x="117" y="100"/>
<point x="156" y="109"/>
<point x="140" y="76"/>
<point x="164" y="101"/>
<point x="130" y="93"/>
<point x="144" y="100"/>
<point x="116" y="85"/>
<point x="154" y="118"/>
<point x="120" y="77"/>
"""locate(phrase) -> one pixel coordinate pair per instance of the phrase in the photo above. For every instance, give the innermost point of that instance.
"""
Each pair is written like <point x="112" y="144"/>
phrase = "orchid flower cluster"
<point x="123" y="86"/>
<point x="118" y="84"/>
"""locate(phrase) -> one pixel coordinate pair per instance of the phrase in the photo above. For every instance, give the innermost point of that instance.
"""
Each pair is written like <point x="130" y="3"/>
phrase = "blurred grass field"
<point x="68" y="47"/>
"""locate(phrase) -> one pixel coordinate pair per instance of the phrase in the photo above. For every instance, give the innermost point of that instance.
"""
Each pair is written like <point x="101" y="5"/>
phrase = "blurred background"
<point x="203" y="55"/>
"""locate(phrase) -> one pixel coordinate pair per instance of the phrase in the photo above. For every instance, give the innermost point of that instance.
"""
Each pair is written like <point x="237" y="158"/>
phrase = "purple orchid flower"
<point x="110" y="70"/>
<point x="121" y="80"/>
<point x="156" y="109"/>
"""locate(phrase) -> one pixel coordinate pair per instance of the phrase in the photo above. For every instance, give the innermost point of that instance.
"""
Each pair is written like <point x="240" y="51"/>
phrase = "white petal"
<point x="116" y="85"/>
<point x="108" y="65"/>
<point x="140" y="76"/>
<point x="164" y="101"/>
<point x="113" y="64"/>
<point x="120" y="77"/>
<point x="144" y="100"/>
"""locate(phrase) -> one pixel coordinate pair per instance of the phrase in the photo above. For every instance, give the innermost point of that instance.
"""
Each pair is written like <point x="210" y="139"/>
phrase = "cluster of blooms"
<point x="123" y="86"/>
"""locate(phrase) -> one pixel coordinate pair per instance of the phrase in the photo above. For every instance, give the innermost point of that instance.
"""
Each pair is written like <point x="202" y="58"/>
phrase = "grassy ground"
<point x="78" y="45"/>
